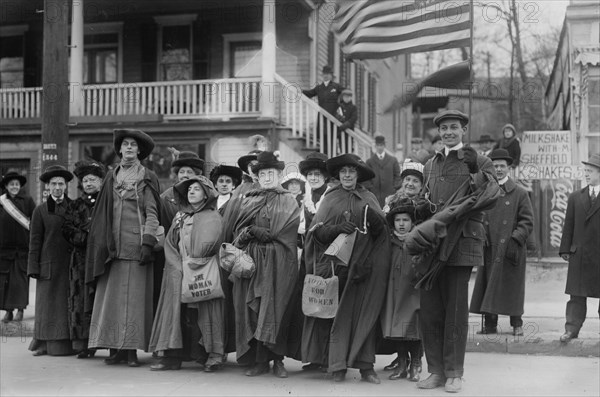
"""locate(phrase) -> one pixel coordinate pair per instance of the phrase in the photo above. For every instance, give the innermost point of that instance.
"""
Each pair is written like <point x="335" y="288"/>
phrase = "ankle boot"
<point x="8" y="316"/>
<point x="132" y="359"/>
<point x="400" y="371"/>
<point x="414" y="371"/>
<point x="19" y="316"/>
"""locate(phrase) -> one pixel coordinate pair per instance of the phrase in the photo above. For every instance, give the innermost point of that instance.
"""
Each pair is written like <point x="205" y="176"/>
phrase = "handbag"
<point x="201" y="279"/>
<point x="343" y="245"/>
<point x="236" y="261"/>
<point x="320" y="295"/>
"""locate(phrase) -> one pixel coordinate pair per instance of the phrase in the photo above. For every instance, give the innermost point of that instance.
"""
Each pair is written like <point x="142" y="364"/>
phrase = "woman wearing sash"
<point x="16" y="209"/>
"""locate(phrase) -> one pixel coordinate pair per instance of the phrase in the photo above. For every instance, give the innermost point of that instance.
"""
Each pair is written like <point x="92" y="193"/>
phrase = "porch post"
<point x="267" y="99"/>
<point x="76" y="74"/>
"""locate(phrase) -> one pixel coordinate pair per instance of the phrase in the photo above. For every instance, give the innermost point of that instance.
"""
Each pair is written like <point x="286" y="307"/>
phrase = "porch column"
<point x="76" y="74"/>
<point x="267" y="99"/>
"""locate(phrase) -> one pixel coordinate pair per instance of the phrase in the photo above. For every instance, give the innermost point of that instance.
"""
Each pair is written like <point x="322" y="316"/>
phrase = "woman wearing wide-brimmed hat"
<point x="314" y="169"/>
<point x="349" y="339"/>
<point x="120" y="244"/>
<point x="48" y="262"/>
<point x="266" y="228"/>
<point x="78" y="218"/>
<point x="197" y="229"/>
<point x="16" y="209"/>
<point x="225" y="178"/>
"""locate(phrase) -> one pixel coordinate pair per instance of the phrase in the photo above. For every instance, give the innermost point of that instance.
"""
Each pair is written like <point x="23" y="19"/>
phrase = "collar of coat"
<point x="360" y="189"/>
<point x="510" y="185"/>
<point x="52" y="204"/>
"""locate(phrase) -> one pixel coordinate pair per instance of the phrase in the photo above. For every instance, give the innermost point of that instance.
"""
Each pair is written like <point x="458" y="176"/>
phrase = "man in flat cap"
<point x="444" y="308"/>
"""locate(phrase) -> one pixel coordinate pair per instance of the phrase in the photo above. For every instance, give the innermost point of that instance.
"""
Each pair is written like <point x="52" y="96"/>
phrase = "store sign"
<point x="547" y="155"/>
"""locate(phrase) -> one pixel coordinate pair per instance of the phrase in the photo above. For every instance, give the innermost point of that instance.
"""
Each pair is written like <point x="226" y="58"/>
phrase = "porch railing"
<point x="172" y="99"/>
<point x="308" y="120"/>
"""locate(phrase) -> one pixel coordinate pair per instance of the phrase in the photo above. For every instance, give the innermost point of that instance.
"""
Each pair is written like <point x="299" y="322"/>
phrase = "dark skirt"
<point x="14" y="283"/>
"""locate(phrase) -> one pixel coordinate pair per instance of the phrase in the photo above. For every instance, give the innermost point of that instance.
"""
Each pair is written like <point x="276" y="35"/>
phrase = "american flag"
<point x="375" y="29"/>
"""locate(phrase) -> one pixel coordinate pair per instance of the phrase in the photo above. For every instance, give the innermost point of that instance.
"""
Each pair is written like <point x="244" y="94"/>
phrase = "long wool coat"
<point x="14" y="246"/>
<point x="205" y="239"/>
<point x="580" y="237"/>
<point x="387" y="177"/>
<point x="49" y="256"/>
<point x="500" y="284"/>
<point x="262" y="303"/>
<point x="352" y="335"/>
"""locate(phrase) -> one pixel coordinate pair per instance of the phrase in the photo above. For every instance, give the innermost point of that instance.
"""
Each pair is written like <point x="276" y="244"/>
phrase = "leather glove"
<point x="346" y="227"/>
<point x="146" y="255"/>
<point x="376" y="223"/>
<point x="469" y="157"/>
<point x="262" y="234"/>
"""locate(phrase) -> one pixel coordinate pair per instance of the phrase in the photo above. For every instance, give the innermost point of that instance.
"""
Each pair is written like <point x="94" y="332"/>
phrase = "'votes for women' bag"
<point x="320" y="295"/>
<point x="201" y="279"/>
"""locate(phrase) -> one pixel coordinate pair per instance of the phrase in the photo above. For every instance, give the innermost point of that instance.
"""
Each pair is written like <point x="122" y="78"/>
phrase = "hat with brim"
<point x="189" y="159"/>
<point x="55" y="170"/>
<point x="485" y="138"/>
<point x="501" y="154"/>
<point x="181" y="188"/>
<point x="144" y="141"/>
<point x="234" y="172"/>
<point x="334" y="165"/>
<point x="83" y="168"/>
<point x="403" y="207"/>
<point x="313" y="161"/>
<point x="13" y="175"/>
<point x="412" y="168"/>
<point x="293" y="176"/>
<point x="451" y="114"/>
<point x="245" y="160"/>
<point x="267" y="160"/>
<point x="413" y="172"/>
<point x="594" y="160"/>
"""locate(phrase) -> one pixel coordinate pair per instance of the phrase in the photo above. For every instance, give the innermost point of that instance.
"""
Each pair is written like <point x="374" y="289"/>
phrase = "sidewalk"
<point x="544" y="319"/>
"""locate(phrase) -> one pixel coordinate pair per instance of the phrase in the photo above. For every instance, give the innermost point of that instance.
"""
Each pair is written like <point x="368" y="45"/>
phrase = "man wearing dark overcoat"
<point x="579" y="246"/>
<point x="48" y="262"/>
<point x="387" y="172"/>
<point x="327" y="92"/>
<point x="449" y="175"/>
<point x="500" y="284"/>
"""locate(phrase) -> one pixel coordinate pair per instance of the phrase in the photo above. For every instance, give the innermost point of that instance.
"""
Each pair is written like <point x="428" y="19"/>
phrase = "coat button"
<point x="502" y="241"/>
<point x="507" y="203"/>
<point x="474" y="234"/>
<point x="442" y="179"/>
<point x="504" y="222"/>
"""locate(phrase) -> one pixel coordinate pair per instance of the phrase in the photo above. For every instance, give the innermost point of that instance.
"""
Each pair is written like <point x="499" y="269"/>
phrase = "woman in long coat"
<point x="16" y="209"/>
<point x="75" y="229"/>
<point x="348" y="340"/>
<point x="200" y="226"/>
<point x="120" y="251"/>
<point x="266" y="229"/>
<point x="48" y="262"/>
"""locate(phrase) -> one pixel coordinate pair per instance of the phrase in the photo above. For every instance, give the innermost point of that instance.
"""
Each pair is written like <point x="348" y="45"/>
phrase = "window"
<point x="593" y="96"/>
<point x="100" y="58"/>
<point x="244" y="59"/>
<point x="11" y="61"/>
<point x="175" y="46"/>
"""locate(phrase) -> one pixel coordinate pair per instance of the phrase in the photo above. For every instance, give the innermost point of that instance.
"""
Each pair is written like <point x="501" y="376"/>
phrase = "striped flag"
<point x="375" y="29"/>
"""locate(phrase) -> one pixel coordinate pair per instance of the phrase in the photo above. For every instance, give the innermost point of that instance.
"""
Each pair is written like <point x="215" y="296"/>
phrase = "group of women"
<point x="122" y="230"/>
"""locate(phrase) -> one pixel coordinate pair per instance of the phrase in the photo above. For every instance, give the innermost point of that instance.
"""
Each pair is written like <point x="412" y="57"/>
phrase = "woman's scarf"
<point x="505" y="143"/>
<point x="127" y="178"/>
<point x="399" y="236"/>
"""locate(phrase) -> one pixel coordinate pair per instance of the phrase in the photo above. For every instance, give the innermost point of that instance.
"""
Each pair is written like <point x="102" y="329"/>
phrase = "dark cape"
<point x="262" y="303"/>
<point x="101" y="248"/>
<point x="352" y="338"/>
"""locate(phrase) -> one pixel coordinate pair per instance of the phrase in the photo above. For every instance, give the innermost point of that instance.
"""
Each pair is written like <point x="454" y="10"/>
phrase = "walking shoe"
<point x="339" y="376"/>
<point x="518" y="331"/>
<point x="40" y="352"/>
<point x="279" y="370"/>
<point x="86" y="353"/>
<point x="414" y="371"/>
<point x="19" y="316"/>
<point x="258" y="369"/>
<point x="453" y="385"/>
<point x="567" y="336"/>
<point x="370" y="376"/>
<point x="400" y="371"/>
<point x="311" y="367"/>
<point x="392" y="366"/>
<point x="488" y="330"/>
<point x="119" y="357"/>
<point x="132" y="359"/>
<point x="433" y="381"/>
<point x="8" y="317"/>
<point x="166" y="364"/>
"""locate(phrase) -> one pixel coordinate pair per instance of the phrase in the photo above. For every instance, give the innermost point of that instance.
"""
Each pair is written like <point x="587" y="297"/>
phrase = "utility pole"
<point x="55" y="83"/>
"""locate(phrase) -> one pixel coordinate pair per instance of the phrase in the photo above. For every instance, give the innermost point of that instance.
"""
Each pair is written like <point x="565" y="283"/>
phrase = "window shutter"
<point x="372" y="104"/>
